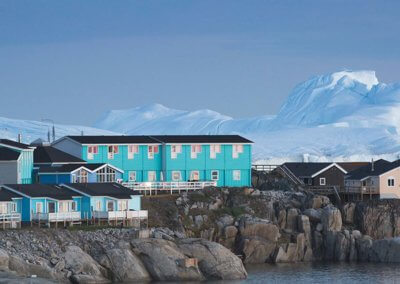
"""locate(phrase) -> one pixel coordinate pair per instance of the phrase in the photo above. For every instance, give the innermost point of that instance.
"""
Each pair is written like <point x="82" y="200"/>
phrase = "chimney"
<point x="19" y="139"/>
<point x="54" y="133"/>
<point x="81" y="132"/>
<point x="372" y="165"/>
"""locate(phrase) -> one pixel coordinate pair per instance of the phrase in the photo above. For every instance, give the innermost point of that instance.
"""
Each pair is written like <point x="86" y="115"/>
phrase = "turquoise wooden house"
<point x="225" y="159"/>
<point x="10" y="206"/>
<point x="16" y="162"/>
<point x="102" y="200"/>
<point x="46" y="203"/>
<point x="79" y="173"/>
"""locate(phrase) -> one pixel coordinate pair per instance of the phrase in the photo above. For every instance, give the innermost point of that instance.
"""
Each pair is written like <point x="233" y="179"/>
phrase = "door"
<point x="52" y="207"/>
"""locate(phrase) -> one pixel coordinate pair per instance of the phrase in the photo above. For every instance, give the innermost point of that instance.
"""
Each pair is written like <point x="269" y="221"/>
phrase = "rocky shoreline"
<point x="114" y="255"/>
<point x="210" y="234"/>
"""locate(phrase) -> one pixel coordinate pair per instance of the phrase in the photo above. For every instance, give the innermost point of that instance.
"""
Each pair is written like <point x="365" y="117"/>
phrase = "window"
<point x="132" y="176"/>
<point x="175" y="150"/>
<point x="364" y="183"/>
<point x="13" y="207"/>
<point x="3" y="208"/>
<point x="112" y="150"/>
<point x="151" y="176"/>
<point x="62" y="207"/>
<point x="390" y="181"/>
<point x="236" y="150"/>
<point x="110" y="205"/>
<point x="39" y="207"/>
<point x="98" y="205"/>
<point x="91" y="151"/>
<point x="74" y="206"/>
<point x="106" y="174"/>
<point x="151" y="150"/>
<point x="81" y="176"/>
<point x="214" y="150"/>
<point x="194" y="175"/>
<point x="194" y="150"/>
<point x="214" y="175"/>
<point x="176" y="176"/>
<point x="322" y="181"/>
<point x="122" y="205"/>
<point x="236" y="175"/>
<point x="132" y="150"/>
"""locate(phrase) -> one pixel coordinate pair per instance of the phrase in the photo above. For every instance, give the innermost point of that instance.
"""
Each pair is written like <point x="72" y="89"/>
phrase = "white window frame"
<point x="390" y="181"/>
<point x="175" y="150"/>
<point x="114" y="150"/>
<point x="213" y="172"/>
<point x="37" y="207"/>
<point x="153" y="174"/>
<point x="322" y="181"/>
<point x="98" y="205"/>
<point x="91" y="151"/>
<point x="74" y="204"/>
<point x="113" y="206"/>
<point x="151" y="151"/>
<point x="63" y="206"/>
<point x="214" y="150"/>
<point x="194" y="150"/>
<point x="122" y="205"/>
<point x="3" y="208"/>
<point x="13" y="207"/>
<point x="236" y="175"/>
<point x="174" y="178"/>
<point x="193" y="173"/>
<point x="236" y="150"/>
<point x="132" y="150"/>
<point x="132" y="174"/>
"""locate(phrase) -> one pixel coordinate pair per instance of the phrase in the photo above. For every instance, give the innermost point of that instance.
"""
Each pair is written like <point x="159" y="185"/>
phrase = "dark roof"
<point x="6" y="195"/>
<point x="14" y="144"/>
<point x="67" y="168"/>
<point x="114" y="139"/>
<point x="48" y="154"/>
<point x="114" y="190"/>
<point x="44" y="190"/>
<point x="7" y="154"/>
<point x="201" y="139"/>
<point x="305" y="169"/>
<point x="156" y="139"/>
<point x="351" y="166"/>
<point x="381" y="166"/>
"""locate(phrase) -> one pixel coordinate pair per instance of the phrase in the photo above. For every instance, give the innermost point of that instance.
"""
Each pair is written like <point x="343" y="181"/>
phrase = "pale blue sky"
<point x="73" y="60"/>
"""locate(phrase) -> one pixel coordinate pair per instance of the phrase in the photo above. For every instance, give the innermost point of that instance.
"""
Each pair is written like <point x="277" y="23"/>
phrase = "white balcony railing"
<point x="10" y="217"/>
<point x="120" y="215"/>
<point x="57" y="216"/>
<point x="170" y="186"/>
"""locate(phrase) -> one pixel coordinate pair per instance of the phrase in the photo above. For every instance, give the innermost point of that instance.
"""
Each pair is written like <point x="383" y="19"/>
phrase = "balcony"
<point x="120" y="215"/>
<point x="57" y="216"/>
<point x="10" y="220"/>
<point x="362" y="189"/>
<point x="172" y="186"/>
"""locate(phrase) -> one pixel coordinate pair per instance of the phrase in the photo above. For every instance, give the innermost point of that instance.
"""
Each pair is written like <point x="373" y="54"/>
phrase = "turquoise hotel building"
<point x="225" y="159"/>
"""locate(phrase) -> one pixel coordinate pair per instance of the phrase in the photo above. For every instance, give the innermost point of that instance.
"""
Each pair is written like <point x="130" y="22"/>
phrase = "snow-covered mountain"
<point x="340" y="116"/>
<point x="347" y="115"/>
<point x="32" y="130"/>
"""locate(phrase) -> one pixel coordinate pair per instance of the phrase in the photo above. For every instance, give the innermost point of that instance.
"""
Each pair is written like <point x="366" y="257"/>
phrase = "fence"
<point x="171" y="187"/>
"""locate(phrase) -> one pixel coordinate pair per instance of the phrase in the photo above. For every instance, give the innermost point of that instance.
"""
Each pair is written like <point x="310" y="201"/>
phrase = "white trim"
<point x="388" y="171"/>
<point x="17" y="148"/>
<point x="88" y="195"/>
<point x="180" y="176"/>
<point x="212" y="175"/>
<point x="327" y="168"/>
<point x="322" y="179"/>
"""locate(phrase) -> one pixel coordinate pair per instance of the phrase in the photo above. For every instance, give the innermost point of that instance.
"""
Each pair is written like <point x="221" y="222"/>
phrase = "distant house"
<point x="79" y="173"/>
<point x="108" y="201"/>
<point x="10" y="209"/>
<point x="321" y="174"/>
<point x="224" y="159"/>
<point x="16" y="162"/>
<point x="47" y="203"/>
<point x="379" y="179"/>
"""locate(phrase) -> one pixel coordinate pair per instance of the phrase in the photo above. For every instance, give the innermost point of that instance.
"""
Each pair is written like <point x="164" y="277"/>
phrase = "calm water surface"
<point x="323" y="273"/>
